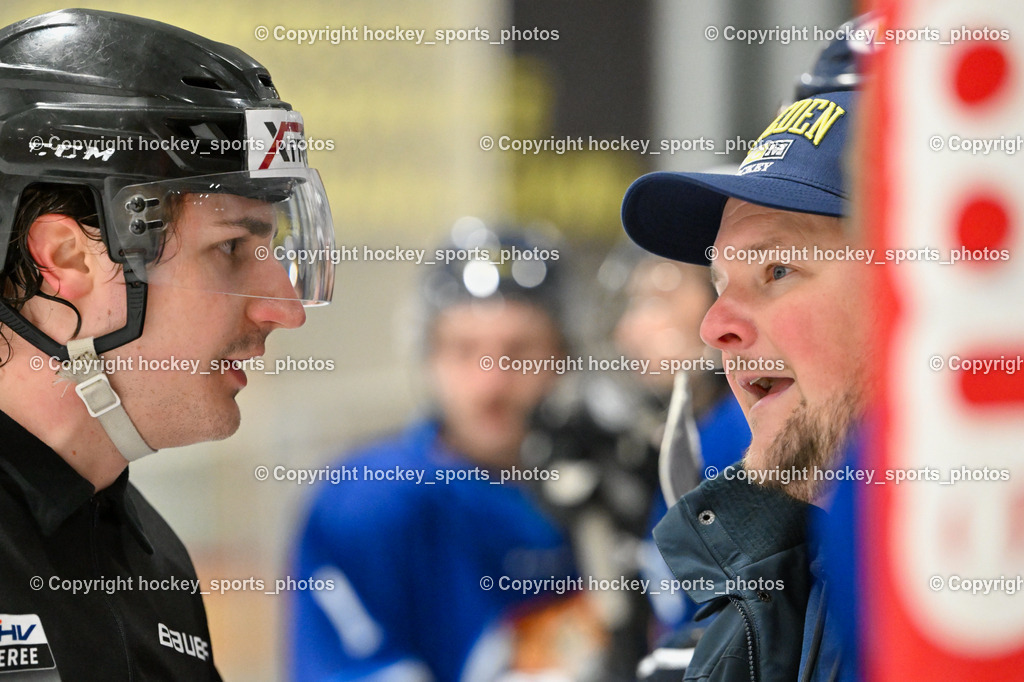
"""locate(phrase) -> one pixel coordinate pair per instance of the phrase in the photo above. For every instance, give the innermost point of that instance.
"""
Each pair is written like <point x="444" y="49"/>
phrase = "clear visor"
<point x="263" y="234"/>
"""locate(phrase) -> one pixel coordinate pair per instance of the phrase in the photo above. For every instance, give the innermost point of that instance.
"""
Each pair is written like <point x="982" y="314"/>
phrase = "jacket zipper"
<point x="748" y="628"/>
<point x="110" y="607"/>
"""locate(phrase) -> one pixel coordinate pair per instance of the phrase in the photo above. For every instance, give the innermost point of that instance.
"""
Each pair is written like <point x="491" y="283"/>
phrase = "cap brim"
<point x="676" y="215"/>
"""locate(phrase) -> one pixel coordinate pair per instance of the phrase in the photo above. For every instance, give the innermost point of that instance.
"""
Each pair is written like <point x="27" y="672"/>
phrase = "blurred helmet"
<point x="502" y="263"/>
<point x="838" y="64"/>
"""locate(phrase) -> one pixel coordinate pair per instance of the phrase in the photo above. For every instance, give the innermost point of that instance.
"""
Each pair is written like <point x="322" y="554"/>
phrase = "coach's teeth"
<point x="763" y="382"/>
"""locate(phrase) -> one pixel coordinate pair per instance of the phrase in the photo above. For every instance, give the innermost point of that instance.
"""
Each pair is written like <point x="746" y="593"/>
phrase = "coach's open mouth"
<point x="762" y="386"/>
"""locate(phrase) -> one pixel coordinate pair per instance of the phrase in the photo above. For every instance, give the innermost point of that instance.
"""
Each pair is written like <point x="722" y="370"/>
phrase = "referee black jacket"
<point x="93" y="586"/>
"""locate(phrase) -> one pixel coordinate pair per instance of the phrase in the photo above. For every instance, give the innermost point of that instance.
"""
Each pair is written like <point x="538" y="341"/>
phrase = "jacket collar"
<point x="52" y="490"/>
<point x="724" y="526"/>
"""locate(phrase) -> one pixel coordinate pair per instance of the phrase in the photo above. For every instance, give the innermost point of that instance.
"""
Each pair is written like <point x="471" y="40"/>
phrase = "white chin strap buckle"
<point x="98" y="395"/>
<point x="94" y="388"/>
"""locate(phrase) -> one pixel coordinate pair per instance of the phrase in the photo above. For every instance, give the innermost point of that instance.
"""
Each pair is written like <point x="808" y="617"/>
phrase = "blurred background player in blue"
<point x="411" y="560"/>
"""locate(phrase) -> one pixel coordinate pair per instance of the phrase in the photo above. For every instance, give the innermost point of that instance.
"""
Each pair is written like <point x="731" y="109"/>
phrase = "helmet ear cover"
<point x="135" y="293"/>
<point x="135" y="290"/>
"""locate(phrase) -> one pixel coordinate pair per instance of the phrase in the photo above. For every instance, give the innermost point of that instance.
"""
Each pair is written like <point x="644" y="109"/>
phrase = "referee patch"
<point x="23" y="645"/>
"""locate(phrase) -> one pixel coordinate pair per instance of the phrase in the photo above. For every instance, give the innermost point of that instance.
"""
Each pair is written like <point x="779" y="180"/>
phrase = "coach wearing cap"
<point x="792" y="329"/>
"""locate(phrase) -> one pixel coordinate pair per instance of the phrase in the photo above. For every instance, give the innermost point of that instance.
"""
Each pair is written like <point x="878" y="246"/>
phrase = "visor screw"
<point x="137" y="204"/>
<point x="138" y="226"/>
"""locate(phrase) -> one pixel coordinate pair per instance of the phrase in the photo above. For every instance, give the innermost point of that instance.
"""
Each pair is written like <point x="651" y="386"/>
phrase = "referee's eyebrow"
<point x="255" y="226"/>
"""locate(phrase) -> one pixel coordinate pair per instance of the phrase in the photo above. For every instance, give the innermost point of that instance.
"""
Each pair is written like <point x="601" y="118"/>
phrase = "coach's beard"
<point x="810" y="440"/>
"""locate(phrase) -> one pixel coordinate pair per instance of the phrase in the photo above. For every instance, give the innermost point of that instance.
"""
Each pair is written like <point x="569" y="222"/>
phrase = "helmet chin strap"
<point x="93" y="387"/>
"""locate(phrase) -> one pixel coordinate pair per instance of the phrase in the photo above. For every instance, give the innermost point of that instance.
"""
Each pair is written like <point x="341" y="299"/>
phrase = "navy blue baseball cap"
<point x="796" y="165"/>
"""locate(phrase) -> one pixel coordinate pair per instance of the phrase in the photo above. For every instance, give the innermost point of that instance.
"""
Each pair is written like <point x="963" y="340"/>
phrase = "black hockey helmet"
<point x="140" y="112"/>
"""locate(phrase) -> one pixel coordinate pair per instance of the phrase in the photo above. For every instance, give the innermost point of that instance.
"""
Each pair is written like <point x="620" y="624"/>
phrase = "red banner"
<point x="944" y="589"/>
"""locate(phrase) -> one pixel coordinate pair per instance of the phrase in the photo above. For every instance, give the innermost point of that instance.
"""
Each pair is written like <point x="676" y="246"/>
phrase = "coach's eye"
<point x="779" y="271"/>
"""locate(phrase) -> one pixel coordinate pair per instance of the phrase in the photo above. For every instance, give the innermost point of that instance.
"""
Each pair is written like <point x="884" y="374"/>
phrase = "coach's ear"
<point x="65" y="255"/>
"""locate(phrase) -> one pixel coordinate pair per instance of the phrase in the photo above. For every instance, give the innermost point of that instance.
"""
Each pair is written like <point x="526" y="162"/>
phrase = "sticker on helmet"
<point x="275" y="139"/>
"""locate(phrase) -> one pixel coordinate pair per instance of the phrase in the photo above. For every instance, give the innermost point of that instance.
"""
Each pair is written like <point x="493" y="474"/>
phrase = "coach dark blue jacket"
<point x="741" y="552"/>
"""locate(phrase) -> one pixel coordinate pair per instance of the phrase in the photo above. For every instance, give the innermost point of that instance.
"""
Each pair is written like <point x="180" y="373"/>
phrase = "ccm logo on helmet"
<point x="183" y="643"/>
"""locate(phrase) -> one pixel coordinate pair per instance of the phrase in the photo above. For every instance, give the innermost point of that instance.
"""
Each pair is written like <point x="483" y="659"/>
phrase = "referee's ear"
<point x="66" y="256"/>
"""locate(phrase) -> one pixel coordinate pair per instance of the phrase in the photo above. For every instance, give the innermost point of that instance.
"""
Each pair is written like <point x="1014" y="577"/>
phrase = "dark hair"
<point x="22" y="278"/>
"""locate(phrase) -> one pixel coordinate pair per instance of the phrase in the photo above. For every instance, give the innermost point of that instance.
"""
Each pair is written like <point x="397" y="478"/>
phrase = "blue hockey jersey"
<point x="423" y="570"/>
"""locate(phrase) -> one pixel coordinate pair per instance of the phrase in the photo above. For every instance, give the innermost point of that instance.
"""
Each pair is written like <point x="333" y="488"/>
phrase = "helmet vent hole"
<point x="265" y="79"/>
<point x="202" y="82"/>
